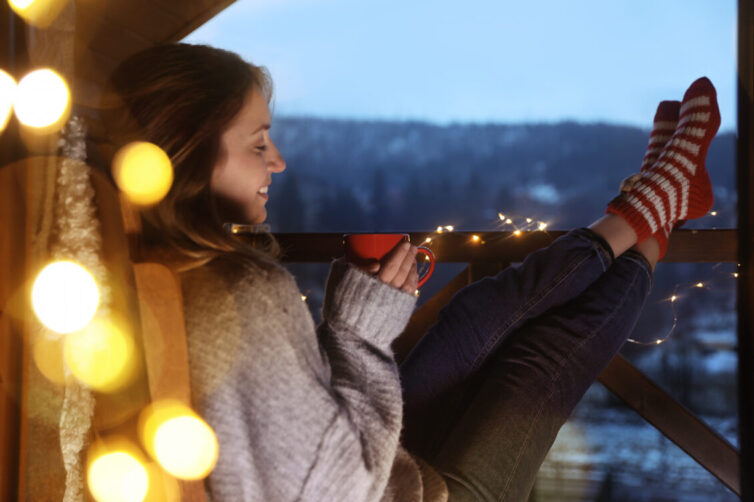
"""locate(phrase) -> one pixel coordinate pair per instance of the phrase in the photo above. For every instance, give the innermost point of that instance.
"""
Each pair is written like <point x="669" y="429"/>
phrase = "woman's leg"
<point x="438" y="374"/>
<point x="438" y="364"/>
<point x="532" y="384"/>
<point x="479" y="317"/>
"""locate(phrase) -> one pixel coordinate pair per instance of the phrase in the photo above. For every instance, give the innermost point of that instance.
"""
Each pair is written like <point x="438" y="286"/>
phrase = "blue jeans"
<point x="490" y="384"/>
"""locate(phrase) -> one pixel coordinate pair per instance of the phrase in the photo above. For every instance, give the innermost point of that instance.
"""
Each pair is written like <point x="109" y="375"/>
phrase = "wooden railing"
<point x="677" y="423"/>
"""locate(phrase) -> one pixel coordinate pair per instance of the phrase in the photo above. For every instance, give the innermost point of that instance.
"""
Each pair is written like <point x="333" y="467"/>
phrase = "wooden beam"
<point x="672" y="419"/>
<point x="745" y="161"/>
<point x="14" y="243"/>
<point x="457" y="247"/>
<point x="13" y="246"/>
<point x="208" y="10"/>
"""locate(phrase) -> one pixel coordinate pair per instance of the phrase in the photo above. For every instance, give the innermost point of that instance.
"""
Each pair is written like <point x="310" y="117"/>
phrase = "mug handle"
<point x="427" y="252"/>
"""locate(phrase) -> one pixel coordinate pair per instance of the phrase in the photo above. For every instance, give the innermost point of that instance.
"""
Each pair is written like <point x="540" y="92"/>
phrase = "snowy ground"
<point x="608" y="454"/>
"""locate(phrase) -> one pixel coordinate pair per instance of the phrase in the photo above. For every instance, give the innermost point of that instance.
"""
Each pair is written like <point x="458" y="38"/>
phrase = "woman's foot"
<point x="677" y="185"/>
<point x="663" y="127"/>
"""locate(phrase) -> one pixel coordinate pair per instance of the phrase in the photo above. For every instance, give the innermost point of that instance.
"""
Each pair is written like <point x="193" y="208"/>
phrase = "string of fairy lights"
<point x="65" y="299"/>
<point x="517" y="225"/>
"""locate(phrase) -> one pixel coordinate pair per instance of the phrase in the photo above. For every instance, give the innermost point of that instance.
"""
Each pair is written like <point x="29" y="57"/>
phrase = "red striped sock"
<point x="663" y="127"/>
<point x="677" y="185"/>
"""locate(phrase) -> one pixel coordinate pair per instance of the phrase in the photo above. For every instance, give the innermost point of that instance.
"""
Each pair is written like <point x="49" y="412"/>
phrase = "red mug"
<point x="361" y="249"/>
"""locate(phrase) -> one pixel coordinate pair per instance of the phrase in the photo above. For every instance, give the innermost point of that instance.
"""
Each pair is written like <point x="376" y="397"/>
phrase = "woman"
<point x="316" y="413"/>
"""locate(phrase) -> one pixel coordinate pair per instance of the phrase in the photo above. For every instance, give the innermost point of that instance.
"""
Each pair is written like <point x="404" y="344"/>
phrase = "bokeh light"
<point x="162" y="486"/>
<point x="39" y="13"/>
<point x="7" y="94"/>
<point x="183" y="443"/>
<point x="48" y="356"/>
<point x="143" y="171"/>
<point x="42" y="100"/>
<point x="117" y="472"/>
<point x="102" y="355"/>
<point x="186" y="447"/>
<point x="65" y="296"/>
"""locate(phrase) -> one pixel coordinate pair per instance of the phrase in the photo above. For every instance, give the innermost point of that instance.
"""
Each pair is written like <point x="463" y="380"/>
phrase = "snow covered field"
<point x="611" y="454"/>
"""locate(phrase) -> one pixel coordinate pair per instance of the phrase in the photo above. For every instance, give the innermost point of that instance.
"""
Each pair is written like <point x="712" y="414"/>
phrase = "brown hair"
<point x="181" y="97"/>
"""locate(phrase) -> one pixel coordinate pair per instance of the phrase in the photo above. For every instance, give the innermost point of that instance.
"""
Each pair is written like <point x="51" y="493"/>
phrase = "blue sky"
<point x="483" y="61"/>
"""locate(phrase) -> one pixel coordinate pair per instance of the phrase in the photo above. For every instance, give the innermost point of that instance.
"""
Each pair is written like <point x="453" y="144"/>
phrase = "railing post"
<point x="13" y="60"/>
<point x="745" y="157"/>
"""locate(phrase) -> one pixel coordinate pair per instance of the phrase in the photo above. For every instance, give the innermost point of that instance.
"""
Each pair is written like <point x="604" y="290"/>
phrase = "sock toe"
<point x="668" y="111"/>
<point x="700" y="86"/>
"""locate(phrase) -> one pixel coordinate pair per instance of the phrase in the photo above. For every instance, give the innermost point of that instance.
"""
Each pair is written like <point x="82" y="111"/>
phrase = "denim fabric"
<point x="488" y="387"/>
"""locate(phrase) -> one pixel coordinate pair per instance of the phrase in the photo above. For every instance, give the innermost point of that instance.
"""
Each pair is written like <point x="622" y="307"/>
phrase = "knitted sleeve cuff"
<point x="364" y="305"/>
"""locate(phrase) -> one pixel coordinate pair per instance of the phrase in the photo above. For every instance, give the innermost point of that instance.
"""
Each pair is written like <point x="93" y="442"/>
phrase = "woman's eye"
<point x="261" y="148"/>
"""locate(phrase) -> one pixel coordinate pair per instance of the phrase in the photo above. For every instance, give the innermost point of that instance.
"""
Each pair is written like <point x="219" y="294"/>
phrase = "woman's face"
<point x="246" y="159"/>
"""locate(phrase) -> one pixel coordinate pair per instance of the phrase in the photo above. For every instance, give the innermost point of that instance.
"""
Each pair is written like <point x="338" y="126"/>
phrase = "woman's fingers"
<point x="409" y="263"/>
<point x="391" y="262"/>
<point x="393" y="269"/>
<point x="412" y="282"/>
<point x="627" y="184"/>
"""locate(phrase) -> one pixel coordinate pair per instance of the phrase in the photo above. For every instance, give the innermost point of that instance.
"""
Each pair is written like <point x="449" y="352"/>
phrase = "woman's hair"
<point x="182" y="97"/>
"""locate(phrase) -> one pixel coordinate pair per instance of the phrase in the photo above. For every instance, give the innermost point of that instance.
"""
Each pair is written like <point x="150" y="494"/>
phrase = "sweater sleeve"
<point x="361" y="317"/>
<point x="300" y="412"/>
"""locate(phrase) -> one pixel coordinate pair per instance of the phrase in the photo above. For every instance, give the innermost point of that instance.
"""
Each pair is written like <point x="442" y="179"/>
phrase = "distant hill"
<point x="359" y="175"/>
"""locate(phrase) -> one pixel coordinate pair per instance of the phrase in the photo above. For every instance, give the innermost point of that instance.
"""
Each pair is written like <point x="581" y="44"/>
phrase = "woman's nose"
<point x="275" y="163"/>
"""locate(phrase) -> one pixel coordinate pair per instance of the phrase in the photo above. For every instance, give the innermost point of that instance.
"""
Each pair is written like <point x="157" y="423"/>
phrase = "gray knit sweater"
<point x="300" y="412"/>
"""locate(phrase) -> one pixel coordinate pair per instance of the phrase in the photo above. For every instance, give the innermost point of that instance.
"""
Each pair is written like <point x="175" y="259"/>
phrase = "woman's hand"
<point x="628" y="184"/>
<point x="397" y="268"/>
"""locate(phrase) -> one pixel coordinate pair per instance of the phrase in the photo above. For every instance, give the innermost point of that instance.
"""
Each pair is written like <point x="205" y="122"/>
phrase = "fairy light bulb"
<point x="102" y="355"/>
<point x="475" y="238"/>
<point x="517" y="233"/>
<point x="542" y="226"/>
<point x="186" y="447"/>
<point x="42" y="100"/>
<point x="38" y="13"/>
<point x="143" y="171"/>
<point x="64" y="296"/>
<point x="118" y="476"/>
<point x="182" y="443"/>
<point x="48" y="356"/>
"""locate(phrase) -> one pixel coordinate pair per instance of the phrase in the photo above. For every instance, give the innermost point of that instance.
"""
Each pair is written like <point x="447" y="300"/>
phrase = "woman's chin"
<point x="257" y="219"/>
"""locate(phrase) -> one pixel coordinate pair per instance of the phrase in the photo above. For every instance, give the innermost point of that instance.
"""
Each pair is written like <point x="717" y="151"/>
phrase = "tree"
<point x="340" y="211"/>
<point x="380" y="213"/>
<point x="287" y="209"/>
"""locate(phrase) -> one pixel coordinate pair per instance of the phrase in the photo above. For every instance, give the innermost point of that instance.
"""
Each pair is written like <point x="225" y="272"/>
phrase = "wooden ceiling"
<point x="107" y="31"/>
